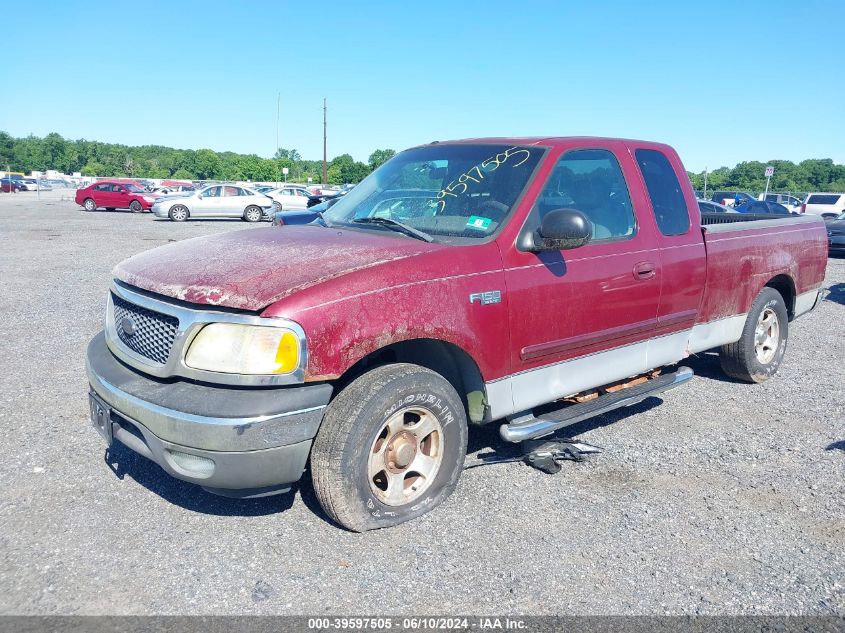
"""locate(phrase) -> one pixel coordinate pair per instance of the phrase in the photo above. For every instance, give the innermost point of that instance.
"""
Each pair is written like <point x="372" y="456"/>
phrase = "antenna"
<point x="325" y="173"/>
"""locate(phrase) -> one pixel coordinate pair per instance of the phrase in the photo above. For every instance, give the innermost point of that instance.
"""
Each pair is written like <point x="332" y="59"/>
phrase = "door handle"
<point x="644" y="270"/>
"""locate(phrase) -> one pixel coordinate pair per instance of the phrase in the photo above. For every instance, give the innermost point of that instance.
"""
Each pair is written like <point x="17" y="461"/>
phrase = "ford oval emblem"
<point x="128" y="326"/>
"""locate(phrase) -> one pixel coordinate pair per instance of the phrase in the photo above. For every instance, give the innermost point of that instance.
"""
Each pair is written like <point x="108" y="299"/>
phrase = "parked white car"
<point x="827" y="205"/>
<point x="290" y="198"/>
<point x="177" y="190"/>
<point x="790" y="202"/>
<point x="216" y="201"/>
<point x="30" y="184"/>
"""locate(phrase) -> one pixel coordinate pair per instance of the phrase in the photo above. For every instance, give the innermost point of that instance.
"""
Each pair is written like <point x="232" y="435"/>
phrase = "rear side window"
<point x="664" y="190"/>
<point x="822" y="199"/>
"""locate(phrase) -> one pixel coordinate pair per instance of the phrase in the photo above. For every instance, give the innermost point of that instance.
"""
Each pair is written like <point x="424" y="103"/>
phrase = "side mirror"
<point x="561" y="229"/>
<point x="199" y="195"/>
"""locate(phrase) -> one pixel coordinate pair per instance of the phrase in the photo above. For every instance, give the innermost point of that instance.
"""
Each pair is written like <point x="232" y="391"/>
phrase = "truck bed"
<point x="746" y="252"/>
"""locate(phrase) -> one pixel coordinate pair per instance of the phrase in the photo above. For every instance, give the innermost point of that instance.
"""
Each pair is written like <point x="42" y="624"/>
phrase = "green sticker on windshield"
<point x="479" y="222"/>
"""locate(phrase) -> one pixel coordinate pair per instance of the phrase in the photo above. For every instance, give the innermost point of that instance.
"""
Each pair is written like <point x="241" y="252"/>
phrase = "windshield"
<point x="133" y="188"/>
<point x="453" y="193"/>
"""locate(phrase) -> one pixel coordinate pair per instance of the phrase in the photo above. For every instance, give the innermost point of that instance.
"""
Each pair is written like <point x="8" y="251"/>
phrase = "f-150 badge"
<point x="487" y="297"/>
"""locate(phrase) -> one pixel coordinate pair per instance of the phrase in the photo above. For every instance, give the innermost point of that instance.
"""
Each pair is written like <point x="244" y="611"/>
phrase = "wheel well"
<point x="786" y="287"/>
<point x="447" y="359"/>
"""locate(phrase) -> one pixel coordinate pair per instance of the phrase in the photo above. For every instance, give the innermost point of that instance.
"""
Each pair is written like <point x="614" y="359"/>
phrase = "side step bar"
<point x="530" y="427"/>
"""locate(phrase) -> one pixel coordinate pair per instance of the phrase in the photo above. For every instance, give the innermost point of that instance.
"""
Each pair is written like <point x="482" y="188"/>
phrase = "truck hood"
<point x="253" y="268"/>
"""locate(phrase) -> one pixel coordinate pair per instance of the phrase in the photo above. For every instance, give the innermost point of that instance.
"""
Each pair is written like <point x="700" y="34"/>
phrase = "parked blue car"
<point x="305" y="216"/>
<point x="762" y="207"/>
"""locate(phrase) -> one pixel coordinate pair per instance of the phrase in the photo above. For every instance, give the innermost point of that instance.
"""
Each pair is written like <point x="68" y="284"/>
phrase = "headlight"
<point x="234" y="348"/>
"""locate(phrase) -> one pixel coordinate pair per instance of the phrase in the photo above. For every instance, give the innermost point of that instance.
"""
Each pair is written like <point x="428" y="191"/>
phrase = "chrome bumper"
<point x="238" y="438"/>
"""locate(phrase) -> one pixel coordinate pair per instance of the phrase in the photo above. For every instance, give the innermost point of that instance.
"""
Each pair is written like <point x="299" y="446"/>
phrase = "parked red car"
<point x="111" y="195"/>
<point x="10" y="185"/>
<point x="539" y="282"/>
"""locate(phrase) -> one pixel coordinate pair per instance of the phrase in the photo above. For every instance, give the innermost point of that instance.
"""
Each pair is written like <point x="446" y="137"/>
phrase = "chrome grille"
<point x="154" y="332"/>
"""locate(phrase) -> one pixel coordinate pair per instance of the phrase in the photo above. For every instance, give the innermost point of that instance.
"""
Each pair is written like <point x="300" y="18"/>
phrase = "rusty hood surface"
<point x="254" y="268"/>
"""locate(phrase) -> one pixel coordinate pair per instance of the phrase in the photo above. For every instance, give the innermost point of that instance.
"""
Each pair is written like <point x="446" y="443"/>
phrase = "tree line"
<point x="92" y="158"/>
<point x="815" y="174"/>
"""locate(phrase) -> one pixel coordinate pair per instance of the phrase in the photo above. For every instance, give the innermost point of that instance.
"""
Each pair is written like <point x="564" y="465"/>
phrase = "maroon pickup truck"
<point x="530" y="281"/>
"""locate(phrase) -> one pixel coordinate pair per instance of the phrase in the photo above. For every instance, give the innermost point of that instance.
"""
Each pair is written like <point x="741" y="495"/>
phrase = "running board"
<point x="529" y="427"/>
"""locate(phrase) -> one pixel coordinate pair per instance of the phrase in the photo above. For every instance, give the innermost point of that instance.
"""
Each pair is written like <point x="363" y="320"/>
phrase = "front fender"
<point x="341" y="334"/>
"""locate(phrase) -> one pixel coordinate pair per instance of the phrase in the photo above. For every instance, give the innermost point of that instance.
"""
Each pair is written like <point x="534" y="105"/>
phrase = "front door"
<point x="578" y="317"/>
<point x="209" y="204"/>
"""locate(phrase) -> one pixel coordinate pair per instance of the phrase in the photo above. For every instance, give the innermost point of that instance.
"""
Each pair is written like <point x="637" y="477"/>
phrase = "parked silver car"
<point x="215" y="201"/>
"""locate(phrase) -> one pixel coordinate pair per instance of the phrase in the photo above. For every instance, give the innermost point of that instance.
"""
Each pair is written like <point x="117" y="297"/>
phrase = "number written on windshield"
<point x="476" y="174"/>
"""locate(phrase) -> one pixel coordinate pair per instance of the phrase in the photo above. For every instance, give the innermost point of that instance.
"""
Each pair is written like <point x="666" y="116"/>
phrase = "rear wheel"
<point x="253" y="214"/>
<point x="391" y="447"/>
<point x="178" y="213"/>
<point x="757" y="355"/>
<point x="89" y="204"/>
<point x="135" y="207"/>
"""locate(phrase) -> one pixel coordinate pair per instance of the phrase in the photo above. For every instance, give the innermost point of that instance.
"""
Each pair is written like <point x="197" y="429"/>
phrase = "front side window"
<point x="454" y="193"/>
<point x="591" y="182"/>
<point x="211" y="192"/>
<point x="664" y="190"/>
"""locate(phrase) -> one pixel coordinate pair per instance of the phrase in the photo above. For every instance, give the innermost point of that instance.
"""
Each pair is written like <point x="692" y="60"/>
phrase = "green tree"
<point x="207" y="164"/>
<point x="291" y="154"/>
<point x="93" y="169"/>
<point x="379" y="157"/>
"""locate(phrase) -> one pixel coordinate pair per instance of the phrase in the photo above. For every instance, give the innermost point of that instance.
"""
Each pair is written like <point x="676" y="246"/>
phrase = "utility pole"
<point x="276" y="149"/>
<point x="325" y="170"/>
<point x="705" y="183"/>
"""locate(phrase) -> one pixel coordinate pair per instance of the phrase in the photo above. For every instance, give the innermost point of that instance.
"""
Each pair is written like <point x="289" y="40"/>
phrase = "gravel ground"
<point x="721" y="498"/>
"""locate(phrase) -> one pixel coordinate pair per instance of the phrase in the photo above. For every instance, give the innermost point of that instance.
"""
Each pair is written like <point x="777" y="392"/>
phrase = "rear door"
<point x="683" y="260"/>
<point x="102" y="194"/>
<point x="232" y="203"/>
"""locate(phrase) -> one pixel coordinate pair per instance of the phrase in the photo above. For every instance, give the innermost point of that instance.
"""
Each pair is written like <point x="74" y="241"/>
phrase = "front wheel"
<point x="757" y="355"/>
<point x="253" y="214"/>
<point x="391" y="447"/>
<point x="135" y="207"/>
<point x="178" y="213"/>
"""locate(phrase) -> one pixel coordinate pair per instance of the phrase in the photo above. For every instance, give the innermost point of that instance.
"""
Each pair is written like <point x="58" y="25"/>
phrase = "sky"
<point x="721" y="82"/>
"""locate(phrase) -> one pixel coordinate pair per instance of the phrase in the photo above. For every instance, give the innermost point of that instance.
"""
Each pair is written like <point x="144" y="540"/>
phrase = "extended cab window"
<point x="591" y="182"/>
<point x="664" y="190"/>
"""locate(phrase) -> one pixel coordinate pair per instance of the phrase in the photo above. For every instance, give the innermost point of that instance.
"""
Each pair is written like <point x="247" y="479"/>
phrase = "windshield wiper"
<point x="396" y="226"/>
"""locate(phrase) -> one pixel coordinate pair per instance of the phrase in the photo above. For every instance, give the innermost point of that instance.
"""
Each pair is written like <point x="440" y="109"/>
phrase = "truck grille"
<point x="144" y="331"/>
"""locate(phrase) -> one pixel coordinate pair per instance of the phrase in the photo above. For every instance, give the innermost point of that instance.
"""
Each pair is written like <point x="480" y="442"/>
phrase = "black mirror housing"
<point x="561" y="229"/>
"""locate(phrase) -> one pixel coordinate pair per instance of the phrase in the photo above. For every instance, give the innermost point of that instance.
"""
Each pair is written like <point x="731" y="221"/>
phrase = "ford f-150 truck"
<point x="529" y="281"/>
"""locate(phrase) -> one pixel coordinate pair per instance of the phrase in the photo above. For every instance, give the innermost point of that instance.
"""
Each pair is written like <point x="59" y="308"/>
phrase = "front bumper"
<point x="234" y="441"/>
